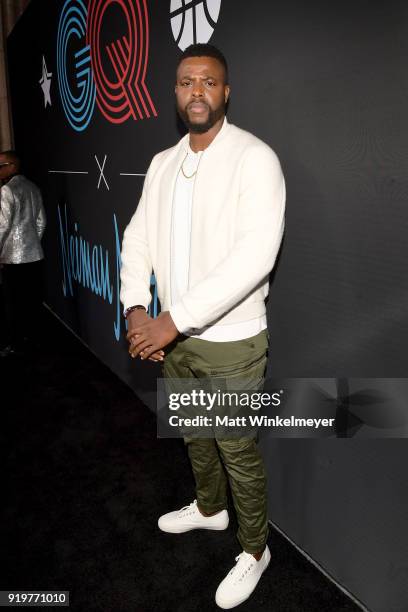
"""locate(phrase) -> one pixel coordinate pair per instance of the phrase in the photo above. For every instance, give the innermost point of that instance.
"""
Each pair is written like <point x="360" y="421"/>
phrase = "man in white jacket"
<point x="209" y="224"/>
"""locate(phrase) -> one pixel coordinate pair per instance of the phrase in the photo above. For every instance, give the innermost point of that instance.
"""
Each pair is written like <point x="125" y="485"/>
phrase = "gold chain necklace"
<point x="187" y="175"/>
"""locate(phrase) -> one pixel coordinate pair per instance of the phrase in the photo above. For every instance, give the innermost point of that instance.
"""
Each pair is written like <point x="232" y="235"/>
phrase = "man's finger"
<point x="149" y="351"/>
<point x="137" y="349"/>
<point x="144" y="345"/>
<point x="130" y="334"/>
<point x="141" y="328"/>
<point x="136" y="330"/>
<point x="156" y="359"/>
<point x="158" y="356"/>
<point x="132" y="340"/>
<point x="134" y="350"/>
<point x="137" y="342"/>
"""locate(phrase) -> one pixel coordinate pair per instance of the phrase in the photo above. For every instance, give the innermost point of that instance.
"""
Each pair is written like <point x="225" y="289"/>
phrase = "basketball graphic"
<point x="193" y="21"/>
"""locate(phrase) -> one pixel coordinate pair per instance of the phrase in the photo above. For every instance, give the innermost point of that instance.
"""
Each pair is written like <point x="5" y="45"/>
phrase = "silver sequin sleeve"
<point x="22" y="221"/>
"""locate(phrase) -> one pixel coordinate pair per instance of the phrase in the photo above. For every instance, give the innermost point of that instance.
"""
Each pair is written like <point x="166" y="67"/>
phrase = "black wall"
<point x="325" y="84"/>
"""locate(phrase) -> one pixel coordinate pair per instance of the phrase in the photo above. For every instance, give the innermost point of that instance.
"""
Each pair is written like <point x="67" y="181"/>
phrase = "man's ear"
<point x="226" y="93"/>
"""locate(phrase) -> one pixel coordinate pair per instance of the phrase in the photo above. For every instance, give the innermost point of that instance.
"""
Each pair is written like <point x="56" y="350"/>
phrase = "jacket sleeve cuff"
<point x="135" y="299"/>
<point x="181" y="318"/>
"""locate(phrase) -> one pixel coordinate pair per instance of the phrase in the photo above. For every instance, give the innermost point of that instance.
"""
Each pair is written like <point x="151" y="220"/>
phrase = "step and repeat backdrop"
<point x="326" y="86"/>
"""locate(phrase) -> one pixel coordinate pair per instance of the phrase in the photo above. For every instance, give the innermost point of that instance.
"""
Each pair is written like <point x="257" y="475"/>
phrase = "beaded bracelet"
<point x="132" y="308"/>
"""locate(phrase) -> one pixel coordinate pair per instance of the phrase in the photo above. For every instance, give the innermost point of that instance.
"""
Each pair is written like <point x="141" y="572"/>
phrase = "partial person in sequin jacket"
<point x="22" y="224"/>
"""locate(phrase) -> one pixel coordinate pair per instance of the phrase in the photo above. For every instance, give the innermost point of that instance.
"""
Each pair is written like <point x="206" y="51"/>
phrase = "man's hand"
<point x="148" y="335"/>
<point x="136" y="317"/>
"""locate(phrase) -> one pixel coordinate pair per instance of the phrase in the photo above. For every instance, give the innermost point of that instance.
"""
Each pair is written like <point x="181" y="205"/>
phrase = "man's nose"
<point x="197" y="89"/>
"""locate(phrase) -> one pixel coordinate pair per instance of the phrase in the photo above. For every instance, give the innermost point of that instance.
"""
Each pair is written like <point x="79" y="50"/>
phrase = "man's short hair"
<point x="205" y="50"/>
<point x="12" y="156"/>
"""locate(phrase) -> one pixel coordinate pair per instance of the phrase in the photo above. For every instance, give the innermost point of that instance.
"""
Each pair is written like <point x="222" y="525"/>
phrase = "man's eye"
<point x="211" y="83"/>
<point x="185" y="83"/>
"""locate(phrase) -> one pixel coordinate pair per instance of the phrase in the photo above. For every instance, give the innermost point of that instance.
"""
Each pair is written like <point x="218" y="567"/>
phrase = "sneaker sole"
<point x="167" y="530"/>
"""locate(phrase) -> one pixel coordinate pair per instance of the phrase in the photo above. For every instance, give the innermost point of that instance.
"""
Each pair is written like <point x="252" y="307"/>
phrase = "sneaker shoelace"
<point x="190" y="509"/>
<point x="245" y="563"/>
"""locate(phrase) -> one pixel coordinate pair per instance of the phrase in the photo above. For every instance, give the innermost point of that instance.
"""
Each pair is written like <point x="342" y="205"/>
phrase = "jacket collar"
<point x="10" y="178"/>
<point x="184" y="142"/>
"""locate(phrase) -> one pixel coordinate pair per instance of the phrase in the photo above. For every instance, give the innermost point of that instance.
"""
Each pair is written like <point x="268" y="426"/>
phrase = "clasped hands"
<point x="147" y="336"/>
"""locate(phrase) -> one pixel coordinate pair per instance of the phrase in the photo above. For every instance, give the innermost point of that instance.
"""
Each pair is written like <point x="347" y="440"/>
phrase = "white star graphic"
<point x="45" y="83"/>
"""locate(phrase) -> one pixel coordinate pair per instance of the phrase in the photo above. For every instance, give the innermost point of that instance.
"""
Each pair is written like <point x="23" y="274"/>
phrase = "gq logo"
<point x="96" y="66"/>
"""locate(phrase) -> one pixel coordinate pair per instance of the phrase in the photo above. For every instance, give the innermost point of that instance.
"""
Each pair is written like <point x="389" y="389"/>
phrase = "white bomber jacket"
<point x="237" y="223"/>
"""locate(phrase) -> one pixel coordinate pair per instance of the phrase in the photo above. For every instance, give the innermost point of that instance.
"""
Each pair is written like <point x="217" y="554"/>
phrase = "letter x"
<point x="102" y="176"/>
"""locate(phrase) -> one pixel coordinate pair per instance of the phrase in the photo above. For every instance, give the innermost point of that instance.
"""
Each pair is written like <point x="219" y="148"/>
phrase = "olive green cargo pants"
<point x="192" y="357"/>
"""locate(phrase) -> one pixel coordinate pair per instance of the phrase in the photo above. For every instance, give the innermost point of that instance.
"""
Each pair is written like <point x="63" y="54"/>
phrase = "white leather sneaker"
<point x="189" y="517"/>
<point x="241" y="581"/>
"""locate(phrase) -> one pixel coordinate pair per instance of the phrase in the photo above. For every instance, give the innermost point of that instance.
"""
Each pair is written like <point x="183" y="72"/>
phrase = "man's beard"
<point x="201" y="128"/>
